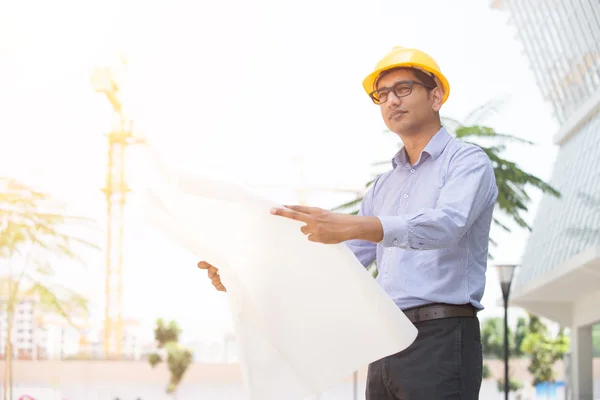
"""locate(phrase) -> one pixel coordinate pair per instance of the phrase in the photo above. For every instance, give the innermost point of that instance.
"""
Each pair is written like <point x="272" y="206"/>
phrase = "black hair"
<point x="425" y="78"/>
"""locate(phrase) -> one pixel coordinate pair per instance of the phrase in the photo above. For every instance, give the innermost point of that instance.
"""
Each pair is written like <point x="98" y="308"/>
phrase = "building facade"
<point x="28" y="334"/>
<point x="36" y="334"/>
<point x="131" y="340"/>
<point x="560" y="273"/>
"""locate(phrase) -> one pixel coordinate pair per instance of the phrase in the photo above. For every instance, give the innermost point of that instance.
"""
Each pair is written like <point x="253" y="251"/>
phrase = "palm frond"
<point x="34" y="225"/>
<point x="487" y="132"/>
<point x="482" y="112"/>
<point x="501" y="225"/>
<point x="59" y="300"/>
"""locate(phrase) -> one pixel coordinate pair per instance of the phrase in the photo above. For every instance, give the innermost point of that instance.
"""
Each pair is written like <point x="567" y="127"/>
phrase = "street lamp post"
<point x="505" y="274"/>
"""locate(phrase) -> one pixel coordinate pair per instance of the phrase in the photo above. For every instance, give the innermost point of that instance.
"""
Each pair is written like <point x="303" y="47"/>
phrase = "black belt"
<point x="430" y="312"/>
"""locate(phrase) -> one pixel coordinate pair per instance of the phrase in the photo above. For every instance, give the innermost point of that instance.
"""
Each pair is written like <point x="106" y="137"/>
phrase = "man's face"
<point x="408" y="114"/>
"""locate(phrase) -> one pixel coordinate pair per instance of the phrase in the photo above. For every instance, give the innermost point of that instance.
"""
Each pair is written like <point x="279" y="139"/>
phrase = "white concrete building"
<point x="132" y="341"/>
<point x="36" y="334"/>
<point x="560" y="273"/>
<point x="62" y="339"/>
<point x="28" y="335"/>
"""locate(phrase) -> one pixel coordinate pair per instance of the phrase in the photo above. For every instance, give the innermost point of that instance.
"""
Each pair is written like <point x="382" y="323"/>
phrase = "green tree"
<point x="164" y="333"/>
<point x="485" y="372"/>
<point x="543" y="349"/>
<point x="178" y="357"/>
<point x="34" y="230"/>
<point x="513" y="385"/>
<point x="513" y="183"/>
<point x="519" y="336"/>
<point x="492" y="338"/>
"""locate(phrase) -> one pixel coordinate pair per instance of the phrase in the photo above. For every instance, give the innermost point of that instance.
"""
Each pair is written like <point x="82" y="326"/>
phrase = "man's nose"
<point x="393" y="100"/>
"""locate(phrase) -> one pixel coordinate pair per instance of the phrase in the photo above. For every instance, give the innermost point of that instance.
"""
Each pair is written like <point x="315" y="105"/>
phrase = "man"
<point x="426" y="222"/>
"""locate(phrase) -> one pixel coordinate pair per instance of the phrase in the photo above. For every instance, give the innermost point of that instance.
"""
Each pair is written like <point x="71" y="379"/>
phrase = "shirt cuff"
<point x="395" y="231"/>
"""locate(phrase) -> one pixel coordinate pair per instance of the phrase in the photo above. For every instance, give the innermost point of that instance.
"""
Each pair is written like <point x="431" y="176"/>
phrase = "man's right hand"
<point x="213" y="274"/>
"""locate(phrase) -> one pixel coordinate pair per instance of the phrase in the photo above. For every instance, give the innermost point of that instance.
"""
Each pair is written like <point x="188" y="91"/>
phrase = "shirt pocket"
<point x="427" y="190"/>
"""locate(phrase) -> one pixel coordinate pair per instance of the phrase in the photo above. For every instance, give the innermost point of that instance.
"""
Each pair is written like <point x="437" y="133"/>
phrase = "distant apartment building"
<point x="62" y="339"/>
<point x="28" y="333"/>
<point x="133" y="344"/>
<point x="28" y="336"/>
<point x="560" y="273"/>
<point x="38" y="334"/>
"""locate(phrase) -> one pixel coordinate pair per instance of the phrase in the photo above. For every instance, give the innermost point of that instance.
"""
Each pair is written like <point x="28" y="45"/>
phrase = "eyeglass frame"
<point x="395" y="85"/>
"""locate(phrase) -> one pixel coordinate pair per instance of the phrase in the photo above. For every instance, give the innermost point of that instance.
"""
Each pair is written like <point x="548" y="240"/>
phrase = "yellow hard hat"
<point x="410" y="58"/>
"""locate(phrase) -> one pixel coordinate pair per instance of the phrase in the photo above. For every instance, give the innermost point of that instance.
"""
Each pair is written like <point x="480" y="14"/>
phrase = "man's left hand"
<point x="328" y="227"/>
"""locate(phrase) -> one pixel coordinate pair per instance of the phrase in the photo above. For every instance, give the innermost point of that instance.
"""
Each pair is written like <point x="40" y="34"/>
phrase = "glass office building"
<point x="560" y="273"/>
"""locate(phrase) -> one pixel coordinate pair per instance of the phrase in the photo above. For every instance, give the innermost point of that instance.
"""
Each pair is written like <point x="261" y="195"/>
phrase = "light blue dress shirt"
<point x="436" y="217"/>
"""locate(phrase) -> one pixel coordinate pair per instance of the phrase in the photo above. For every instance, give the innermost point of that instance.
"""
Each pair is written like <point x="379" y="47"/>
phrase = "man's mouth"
<point x="397" y="114"/>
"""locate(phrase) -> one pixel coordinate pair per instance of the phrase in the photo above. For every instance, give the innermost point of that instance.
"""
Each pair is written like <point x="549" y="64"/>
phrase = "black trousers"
<point x="443" y="363"/>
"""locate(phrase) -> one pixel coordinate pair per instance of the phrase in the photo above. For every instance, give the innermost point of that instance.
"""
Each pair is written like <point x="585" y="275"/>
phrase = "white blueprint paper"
<point x="306" y="314"/>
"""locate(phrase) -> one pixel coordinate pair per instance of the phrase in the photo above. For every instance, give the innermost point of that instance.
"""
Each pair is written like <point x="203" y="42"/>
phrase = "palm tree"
<point x="32" y="227"/>
<point x="513" y="183"/>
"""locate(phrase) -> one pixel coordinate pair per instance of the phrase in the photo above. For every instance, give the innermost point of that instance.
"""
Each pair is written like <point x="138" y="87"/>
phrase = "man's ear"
<point x="437" y="95"/>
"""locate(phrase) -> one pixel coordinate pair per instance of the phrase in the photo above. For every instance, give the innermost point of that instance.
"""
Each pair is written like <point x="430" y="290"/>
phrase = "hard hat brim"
<point x="369" y="81"/>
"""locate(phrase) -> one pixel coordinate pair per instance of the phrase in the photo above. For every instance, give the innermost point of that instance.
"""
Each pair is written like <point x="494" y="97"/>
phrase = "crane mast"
<point x="115" y="192"/>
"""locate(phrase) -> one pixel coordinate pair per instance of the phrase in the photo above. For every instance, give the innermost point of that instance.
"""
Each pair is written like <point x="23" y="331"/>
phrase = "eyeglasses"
<point x="400" y="89"/>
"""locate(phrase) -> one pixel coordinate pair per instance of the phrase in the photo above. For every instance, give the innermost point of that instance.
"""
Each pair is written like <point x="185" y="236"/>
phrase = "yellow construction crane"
<point x="104" y="81"/>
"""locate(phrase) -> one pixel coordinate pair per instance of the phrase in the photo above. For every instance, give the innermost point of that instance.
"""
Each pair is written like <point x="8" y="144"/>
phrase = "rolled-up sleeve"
<point x="469" y="190"/>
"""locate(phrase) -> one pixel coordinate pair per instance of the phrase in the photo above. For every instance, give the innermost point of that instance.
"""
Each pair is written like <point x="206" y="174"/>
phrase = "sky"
<point x="266" y="93"/>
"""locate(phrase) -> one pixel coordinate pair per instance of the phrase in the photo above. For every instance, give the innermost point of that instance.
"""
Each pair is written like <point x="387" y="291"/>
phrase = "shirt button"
<point x="395" y="243"/>
<point x="406" y="196"/>
<point x="385" y="275"/>
<point x="412" y="171"/>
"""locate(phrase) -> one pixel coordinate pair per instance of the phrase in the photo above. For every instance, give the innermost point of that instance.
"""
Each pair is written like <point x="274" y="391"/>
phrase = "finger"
<point x="221" y="288"/>
<point x="216" y="281"/>
<point x="212" y="272"/>
<point x="317" y="239"/>
<point x="204" y="265"/>
<point x="291" y="214"/>
<point x="303" y="209"/>
<point x="305" y="229"/>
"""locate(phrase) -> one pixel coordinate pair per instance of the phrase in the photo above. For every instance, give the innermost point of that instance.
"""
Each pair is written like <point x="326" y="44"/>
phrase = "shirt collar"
<point x="434" y="148"/>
